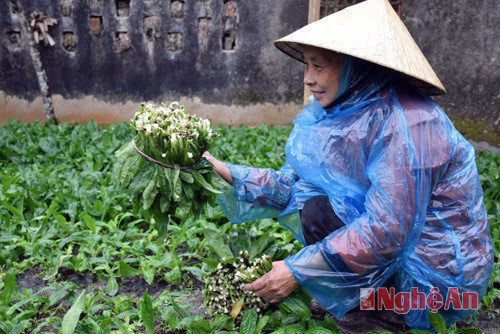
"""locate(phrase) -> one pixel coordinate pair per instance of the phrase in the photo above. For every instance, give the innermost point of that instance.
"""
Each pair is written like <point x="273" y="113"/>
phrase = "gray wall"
<point x="193" y="61"/>
<point x="250" y="84"/>
<point x="461" y="40"/>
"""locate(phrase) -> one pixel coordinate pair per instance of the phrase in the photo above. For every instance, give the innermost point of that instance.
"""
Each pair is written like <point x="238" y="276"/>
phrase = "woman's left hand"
<point x="275" y="285"/>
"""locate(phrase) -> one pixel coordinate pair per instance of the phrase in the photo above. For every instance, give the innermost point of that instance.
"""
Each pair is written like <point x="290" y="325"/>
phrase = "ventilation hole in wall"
<point x="67" y="7"/>
<point x="151" y="27"/>
<point x="122" y="41"/>
<point x="95" y="24"/>
<point x="15" y="7"/>
<point x="177" y="8"/>
<point x="175" y="41"/>
<point x="69" y="40"/>
<point x="229" y="23"/>
<point x="122" y="7"/>
<point x="13" y="40"/>
<point x="204" y="27"/>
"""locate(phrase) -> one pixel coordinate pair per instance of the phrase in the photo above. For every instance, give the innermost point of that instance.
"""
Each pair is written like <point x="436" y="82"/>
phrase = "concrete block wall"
<point x="217" y="58"/>
<point x="461" y="40"/>
<point x="214" y="56"/>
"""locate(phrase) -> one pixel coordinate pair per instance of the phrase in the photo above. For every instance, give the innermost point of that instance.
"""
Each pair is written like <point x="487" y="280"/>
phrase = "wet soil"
<point x="351" y="323"/>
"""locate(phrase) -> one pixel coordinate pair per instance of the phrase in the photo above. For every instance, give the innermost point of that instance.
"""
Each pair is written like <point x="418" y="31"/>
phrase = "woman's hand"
<point x="219" y="167"/>
<point x="276" y="284"/>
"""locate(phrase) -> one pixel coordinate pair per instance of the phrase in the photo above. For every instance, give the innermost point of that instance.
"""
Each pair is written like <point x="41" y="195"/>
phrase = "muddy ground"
<point x="351" y="323"/>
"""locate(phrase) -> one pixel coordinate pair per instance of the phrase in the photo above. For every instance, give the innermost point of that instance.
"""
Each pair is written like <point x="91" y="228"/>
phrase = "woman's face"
<point x="322" y="73"/>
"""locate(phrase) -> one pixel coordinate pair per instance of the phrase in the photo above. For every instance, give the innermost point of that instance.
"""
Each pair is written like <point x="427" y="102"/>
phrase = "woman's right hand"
<point x="219" y="167"/>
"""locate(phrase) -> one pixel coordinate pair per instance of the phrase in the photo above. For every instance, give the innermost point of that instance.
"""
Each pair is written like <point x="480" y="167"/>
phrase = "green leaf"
<point x="49" y="146"/>
<point x="187" y="177"/>
<point x="319" y="330"/>
<point x="17" y="329"/>
<point x="177" y="185"/>
<point x="294" y="304"/>
<point x="57" y="296"/>
<point x="200" y="325"/>
<point x="89" y="221"/>
<point x="127" y="271"/>
<point x="149" y="194"/>
<point x="173" y="276"/>
<point x="71" y="317"/>
<point x="9" y="288"/>
<point x="241" y="241"/>
<point x="112" y="286"/>
<point x="128" y="163"/>
<point x="15" y="211"/>
<point x="221" y="321"/>
<point x="141" y="180"/>
<point x="217" y="243"/>
<point x="290" y="329"/>
<point x="437" y="322"/>
<point x="171" y="317"/>
<point x="8" y="181"/>
<point x="200" y="180"/>
<point x="147" y="313"/>
<point x="183" y="314"/>
<point x="212" y="263"/>
<point x="249" y="322"/>
<point x="258" y="246"/>
<point x="261" y="324"/>
<point x="61" y="221"/>
<point x="329" y="323"/>
<point x="148" y="274"/>
<point x="168" y="175"/>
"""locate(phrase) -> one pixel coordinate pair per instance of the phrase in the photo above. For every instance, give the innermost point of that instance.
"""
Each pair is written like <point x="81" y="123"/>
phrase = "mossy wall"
<point x="460" y="39"/>
<point x="217" y="56"/>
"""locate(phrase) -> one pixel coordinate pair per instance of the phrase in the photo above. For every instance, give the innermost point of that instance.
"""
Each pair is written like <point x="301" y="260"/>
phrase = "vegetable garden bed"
<point x="78" y="255"/>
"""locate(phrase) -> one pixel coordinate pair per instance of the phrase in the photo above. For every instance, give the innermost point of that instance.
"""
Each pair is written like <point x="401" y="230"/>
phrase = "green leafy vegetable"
<point x="224" y="293"/>
<point x="171" y="140"/>
<point x="71" y="318"/>
<point x="147" y="313"/>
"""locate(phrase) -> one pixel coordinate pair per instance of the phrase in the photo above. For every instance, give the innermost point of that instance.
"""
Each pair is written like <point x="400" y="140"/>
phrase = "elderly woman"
<point x="378" y="185"/>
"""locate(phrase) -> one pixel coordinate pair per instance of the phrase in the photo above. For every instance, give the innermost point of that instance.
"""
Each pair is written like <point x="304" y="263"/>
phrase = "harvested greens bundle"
<point x="163" y="167"/>
<point x="169" y="135"/>
<point x="224" y="293"/>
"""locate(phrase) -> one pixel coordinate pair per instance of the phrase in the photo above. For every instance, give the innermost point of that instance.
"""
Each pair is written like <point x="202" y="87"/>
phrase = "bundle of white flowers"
<point x="169" y="135"/>
<point x="162" y="166"/>
<point x="224" y="293"/>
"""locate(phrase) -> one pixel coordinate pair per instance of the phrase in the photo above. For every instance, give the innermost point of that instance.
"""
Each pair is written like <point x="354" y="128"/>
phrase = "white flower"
<point x="190" y="155"/>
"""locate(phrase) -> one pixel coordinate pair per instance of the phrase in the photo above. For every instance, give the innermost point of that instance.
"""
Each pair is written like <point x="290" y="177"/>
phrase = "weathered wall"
<point x="216" y="56"/>
<point x="179" y="51"/>
<point x="461" y="40"/>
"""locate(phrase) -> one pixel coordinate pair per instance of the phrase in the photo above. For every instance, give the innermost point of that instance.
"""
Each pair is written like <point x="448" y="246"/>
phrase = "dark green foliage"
<point x="63" y="213"/>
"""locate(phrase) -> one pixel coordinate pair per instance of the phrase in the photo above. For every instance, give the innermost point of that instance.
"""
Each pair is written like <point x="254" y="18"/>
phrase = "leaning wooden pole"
<point x="314" y="15"/>
<point x="27" y="32"/>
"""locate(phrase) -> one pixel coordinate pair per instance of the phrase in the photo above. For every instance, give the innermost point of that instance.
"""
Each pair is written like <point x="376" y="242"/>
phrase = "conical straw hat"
<point x="370" y="30"/>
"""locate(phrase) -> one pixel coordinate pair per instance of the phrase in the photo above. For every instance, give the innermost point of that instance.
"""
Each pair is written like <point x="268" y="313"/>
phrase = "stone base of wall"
<point x="87" y="108"/>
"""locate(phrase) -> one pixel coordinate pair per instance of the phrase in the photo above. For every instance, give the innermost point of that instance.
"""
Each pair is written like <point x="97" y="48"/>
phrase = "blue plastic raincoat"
<point x="401" y="178"/>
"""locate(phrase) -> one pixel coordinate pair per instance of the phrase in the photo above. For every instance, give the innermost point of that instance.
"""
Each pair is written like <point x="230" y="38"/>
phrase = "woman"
<point x="378" y="185"/>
